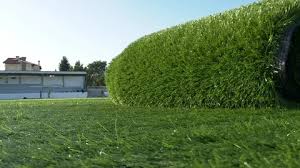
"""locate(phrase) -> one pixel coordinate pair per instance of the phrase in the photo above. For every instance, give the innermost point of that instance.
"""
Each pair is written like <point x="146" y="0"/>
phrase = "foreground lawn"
<point x="97" y="133"/>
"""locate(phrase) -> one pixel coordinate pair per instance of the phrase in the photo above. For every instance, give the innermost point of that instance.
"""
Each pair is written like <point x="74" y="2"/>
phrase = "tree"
<point x="64" y="64"/>
<point x="95" y="73"/>
<point x="78" y="66"/>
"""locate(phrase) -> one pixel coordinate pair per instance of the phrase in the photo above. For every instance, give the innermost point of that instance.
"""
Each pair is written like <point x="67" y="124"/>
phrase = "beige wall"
<point x="18" y="67"/>
<point x="36" y="68"/>
<point x="13" y="67"/>
<point x="28" y="67"/>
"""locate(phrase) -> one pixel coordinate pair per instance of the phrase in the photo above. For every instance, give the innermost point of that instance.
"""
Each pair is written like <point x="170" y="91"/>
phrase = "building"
<point x="20" y="64"/>
<point x="31" y="83"/>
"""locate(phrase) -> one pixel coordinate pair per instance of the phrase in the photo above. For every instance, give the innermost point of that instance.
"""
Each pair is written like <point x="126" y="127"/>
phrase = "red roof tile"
<point x="12" y="61"/>
<point x="18" y="61"/>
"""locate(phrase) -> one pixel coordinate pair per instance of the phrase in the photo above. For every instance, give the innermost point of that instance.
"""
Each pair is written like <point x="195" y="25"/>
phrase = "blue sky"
<point x="89" y="30"/>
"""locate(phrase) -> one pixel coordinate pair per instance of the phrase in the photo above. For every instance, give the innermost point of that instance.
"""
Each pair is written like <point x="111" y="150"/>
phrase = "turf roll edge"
<point x="245" y="57"/>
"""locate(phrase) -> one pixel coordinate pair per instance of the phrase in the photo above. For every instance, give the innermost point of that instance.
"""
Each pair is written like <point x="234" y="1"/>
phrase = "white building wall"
<point x="12" y="80"/>
<point x="3" y="80"/>
<point x="34" y="80"/>
<point x="53" y="95"/>
<point x="19" y="96"/>
<point x="74" y="81"/>
<point x="19" y="87"/>
<point x="64" y="95"/>
<point x="56" y="81"/>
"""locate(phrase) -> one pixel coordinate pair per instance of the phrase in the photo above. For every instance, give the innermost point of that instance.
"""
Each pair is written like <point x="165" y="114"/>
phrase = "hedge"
<point x="239" y="58"/>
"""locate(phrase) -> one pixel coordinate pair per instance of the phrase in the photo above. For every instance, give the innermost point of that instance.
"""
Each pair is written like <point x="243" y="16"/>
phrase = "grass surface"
<point x="97" y="133"/>
<point x="224" y="60"/>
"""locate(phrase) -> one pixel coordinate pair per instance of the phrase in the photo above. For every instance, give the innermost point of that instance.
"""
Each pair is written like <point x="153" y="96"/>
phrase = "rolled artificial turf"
<point x="246" y="57"/>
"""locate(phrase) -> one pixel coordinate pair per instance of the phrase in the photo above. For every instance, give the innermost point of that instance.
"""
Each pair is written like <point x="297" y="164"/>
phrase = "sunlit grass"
<point x="95" y="132"/>
<point x="225" y="60"/>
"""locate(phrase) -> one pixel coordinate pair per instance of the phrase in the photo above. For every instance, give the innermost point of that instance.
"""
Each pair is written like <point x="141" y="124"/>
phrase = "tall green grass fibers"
<point x="225" y="60"/>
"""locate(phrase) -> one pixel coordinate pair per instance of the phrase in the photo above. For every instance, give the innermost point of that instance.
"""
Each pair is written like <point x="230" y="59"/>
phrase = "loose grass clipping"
<point x="246" y="57"/>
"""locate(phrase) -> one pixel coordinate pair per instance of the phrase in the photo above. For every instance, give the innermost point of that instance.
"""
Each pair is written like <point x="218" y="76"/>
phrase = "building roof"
<point x="40" y="73"/>
<point x="18" y="60"/>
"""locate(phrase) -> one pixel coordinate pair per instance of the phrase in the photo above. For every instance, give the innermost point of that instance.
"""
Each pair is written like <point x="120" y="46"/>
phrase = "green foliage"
<point x="224" y="60"/>
<point x="98" y="133"/>
<point x="64" y="64"/>
<point x="78" y="66"/>
<point x="95" y="73"/>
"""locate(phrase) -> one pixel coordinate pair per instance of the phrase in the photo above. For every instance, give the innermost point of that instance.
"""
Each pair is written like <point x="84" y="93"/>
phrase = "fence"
<point x="97" y="91"/>
<point x="17" y="91"/>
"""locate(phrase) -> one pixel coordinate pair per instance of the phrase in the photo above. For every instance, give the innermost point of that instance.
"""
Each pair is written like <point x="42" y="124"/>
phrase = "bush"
<point x="225" y="60"/>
